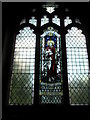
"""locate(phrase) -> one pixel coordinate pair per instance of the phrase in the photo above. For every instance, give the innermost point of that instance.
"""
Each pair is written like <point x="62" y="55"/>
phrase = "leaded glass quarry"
<point x="23" y="68"/>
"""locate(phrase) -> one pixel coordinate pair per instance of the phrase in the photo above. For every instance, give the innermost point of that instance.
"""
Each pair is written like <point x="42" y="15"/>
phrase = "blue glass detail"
<point x="52" y="38"/>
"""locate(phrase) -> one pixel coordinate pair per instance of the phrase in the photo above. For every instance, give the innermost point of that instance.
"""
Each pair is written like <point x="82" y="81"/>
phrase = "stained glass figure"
<point x="56" y="20"/>
<point x="50" y="77"/>
<point x="23" y="68"/>
<point x="77" y="66"/>
<point x="67" y="21"/>
<point x="33" y="21"/>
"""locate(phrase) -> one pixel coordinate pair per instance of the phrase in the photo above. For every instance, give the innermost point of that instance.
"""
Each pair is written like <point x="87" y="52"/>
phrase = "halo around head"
<point x="50" y="41"/>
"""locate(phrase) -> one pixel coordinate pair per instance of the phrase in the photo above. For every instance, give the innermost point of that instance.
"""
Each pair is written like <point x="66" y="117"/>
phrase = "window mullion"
<point x="37" y="59"/>
<point x="50" y="19"/>
<point x="64" y="64"/>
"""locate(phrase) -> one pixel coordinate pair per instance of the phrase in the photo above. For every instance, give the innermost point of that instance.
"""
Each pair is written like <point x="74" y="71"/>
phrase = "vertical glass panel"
<point x="77" y="66"/>
<point x="56" y="20"/>
<point x="44" y="20"/>
<point x="67" y="21"/>
<point x="23" y="69"/>
<point x="33" y="21"/>
<point x="50" y="76"/>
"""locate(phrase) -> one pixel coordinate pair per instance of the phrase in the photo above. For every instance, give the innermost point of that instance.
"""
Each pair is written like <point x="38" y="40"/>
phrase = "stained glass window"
<point x="67" y="21"/>
<point x="51" y="85"/>
<point x="23" y="69"/>
<point x="77" y="66"/>
<point x="50" y="77"/>
<point x="44" y="20"/>
<point x="56" y="20"/>
<point x="33" y="21"/>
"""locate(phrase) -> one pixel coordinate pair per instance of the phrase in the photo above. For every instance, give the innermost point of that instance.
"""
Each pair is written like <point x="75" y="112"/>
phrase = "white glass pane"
<point x="67" y="21"/>
<point x="56" y="20"/>
<point x="33" y="21"/>
<point x="23" y="69"/>
<point x="50" y="9"/>
<point x="77" y="66"/>
<point x="23" y="21"/>
<point x="44" y="20"/>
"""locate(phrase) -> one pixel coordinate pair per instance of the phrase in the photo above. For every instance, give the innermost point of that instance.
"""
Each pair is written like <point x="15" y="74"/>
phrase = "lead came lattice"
<point x="23" y="69"/>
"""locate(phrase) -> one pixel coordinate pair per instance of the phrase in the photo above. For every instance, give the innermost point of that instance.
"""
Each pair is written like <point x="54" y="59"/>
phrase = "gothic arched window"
<point x="53" y="37"/>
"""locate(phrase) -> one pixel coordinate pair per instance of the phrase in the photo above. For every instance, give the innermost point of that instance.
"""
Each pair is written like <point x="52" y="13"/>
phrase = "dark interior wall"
<point x="12" y="13"/>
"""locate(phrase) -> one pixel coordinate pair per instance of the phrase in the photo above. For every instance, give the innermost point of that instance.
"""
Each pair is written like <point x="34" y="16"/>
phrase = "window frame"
<point x="62" y="30"/>
<point x="11" y="37"/>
